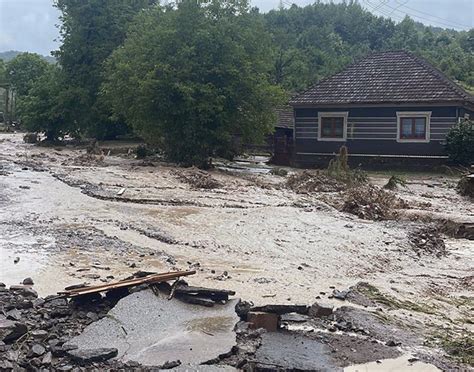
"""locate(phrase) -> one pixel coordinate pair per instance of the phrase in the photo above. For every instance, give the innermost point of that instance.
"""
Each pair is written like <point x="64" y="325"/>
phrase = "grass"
<point x="391" y="302"/>
<point x="459" y="347"/>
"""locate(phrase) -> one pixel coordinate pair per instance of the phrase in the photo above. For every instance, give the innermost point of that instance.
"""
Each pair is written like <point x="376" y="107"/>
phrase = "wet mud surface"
<point x="67" y="220"/>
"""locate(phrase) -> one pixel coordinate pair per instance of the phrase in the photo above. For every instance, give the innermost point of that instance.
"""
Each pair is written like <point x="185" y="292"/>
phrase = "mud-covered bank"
<point x="67" y="221"/>
<point x="143" y="330"/>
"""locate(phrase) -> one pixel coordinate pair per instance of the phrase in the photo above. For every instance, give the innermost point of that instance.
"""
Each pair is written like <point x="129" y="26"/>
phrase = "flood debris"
<point x="149" y="279"/>
<point x="466" y="185"/>
<point x="313" y="181"/>
<point x="428" y="241"/>
<point x="370" y="202"/>
<point x="197" y="178"/>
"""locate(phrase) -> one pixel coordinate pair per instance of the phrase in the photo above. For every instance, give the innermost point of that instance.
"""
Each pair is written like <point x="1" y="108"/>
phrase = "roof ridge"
<point x="441" y="75"/>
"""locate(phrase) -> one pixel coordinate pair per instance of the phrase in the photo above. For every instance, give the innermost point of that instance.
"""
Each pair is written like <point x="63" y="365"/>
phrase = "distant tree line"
<point x="188" y="77"/>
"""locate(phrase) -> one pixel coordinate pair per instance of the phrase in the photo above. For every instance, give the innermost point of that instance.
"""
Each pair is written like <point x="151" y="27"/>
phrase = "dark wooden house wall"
<point x="372" y="131"/>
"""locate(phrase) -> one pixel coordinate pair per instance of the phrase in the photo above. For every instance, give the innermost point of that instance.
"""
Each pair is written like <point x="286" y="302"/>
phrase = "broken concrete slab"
<point x="152" y="330"/>
<point x="287" y="350"/>
<point x="86" y="356"/>
<point x="318" y="310"/>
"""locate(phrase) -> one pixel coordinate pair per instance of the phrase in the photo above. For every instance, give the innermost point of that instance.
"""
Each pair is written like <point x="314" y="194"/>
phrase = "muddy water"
<point x="275" y="246"/>
<point x="401" y="364"/>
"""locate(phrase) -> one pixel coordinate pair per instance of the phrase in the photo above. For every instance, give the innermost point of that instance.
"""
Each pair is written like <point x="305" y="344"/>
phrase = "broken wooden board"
<point x="282" y="309"/>
<point x="213" y="294"/>
<point x="150" y="279"/>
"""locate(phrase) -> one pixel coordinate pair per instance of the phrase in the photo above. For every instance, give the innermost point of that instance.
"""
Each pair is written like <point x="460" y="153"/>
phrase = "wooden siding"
<point x="373" y="131"/>
<point x="370" y="128"/>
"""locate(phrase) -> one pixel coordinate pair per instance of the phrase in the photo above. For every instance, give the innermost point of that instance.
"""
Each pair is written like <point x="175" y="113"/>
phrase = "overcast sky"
<point x="30" y="25"/>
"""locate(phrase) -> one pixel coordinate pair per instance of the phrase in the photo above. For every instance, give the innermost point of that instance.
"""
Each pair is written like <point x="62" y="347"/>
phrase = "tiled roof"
<point x="285" y="118"/>
<point x="387" y="77"/>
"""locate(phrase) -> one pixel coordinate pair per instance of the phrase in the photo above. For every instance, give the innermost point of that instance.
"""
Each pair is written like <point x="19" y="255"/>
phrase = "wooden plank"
<point x="127" y="283"/>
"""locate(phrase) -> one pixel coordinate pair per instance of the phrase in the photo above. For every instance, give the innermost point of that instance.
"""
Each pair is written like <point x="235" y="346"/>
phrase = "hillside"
<point x="10" y="54"/>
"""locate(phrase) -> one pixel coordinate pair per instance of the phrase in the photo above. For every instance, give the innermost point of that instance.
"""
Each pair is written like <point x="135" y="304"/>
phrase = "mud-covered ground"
<point x="67" y="217"/>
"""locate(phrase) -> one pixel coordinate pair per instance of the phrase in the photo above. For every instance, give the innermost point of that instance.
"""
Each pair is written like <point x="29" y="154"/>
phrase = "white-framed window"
<point x="332" y="126"/>
<point x="413" y="126"/>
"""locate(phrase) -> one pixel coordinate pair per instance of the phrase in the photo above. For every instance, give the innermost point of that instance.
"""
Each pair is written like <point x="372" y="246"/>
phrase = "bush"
<point x="30" y="138"/>
<point x="142" y="152"/>
<point x="460" y="143"/>
<point x="338" y="169"/>
<point x="394" y="182"/>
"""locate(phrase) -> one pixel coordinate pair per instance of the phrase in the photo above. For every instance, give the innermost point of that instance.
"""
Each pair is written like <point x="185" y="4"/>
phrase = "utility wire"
<point x="439" y="23"/>
<point x="433" y="16"/>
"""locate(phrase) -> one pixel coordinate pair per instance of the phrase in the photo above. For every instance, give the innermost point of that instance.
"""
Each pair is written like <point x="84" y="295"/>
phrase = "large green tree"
<point x="90" y="31"/>
<point x="48" y="106"/>
<point x="23" y="70"/>
<point x="193" y="76"/>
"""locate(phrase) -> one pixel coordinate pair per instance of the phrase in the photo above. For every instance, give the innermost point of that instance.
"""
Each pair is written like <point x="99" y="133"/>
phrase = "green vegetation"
<point x="391" y="302"/>
<point x="459" y="345"/>
<point x="460" y="143"/>
<point x="339" y="169"/>
<point x="44" y="109"/>
<point x="395" y="181"/>
<point x="23" y="71"/>
<point x="91" y="30"/>
<point x="189" y="76"/>
<point x="320" y="39"/>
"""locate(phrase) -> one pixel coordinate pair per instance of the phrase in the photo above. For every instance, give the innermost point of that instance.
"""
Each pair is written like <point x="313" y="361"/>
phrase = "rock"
<point x="171" y="364"/>
<point x="24" y="291"/>
<point x="16" y="260"/>
<point x="320" y="310"/>
<point x="138" y="288"/>
<point x="37" y="350"/>
<point x="47" y="359"/>
<point x="267" y="321"/>
<point x="92" y="316"/>
<point x="2" y="285"/>
<point x="39" y="334"/>
<point x="5" y="365"/>
<point x="28" y="281"/>
<point x="242" y="309"/>
<point x="392" y="343"/>
<point x="86" y="356"/>
<point x="340" y="295"/>
<point x="10" y="331"/>
<point x="14" y="314"/>
<point x="92" y="276"/>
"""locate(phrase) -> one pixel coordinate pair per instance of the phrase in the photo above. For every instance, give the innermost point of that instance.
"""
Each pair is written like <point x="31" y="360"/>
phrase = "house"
<point x="390" y="106"/>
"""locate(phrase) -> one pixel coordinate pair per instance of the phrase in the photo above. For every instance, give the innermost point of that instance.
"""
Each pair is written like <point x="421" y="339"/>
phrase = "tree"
<point x="191" y="77"/>
<point x="460" y="143"/>
<point x="23" y="70"/>
<point x="44" y="109"/>
<point x="90" y="31"/>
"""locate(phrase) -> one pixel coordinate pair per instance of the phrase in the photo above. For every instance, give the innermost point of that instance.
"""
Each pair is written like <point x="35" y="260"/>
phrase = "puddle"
<point x="400" y="364"/>
<point x="217" y="324"/>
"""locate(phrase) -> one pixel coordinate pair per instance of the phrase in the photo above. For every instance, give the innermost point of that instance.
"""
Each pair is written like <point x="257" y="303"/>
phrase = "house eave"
<point x="468" y="105"/>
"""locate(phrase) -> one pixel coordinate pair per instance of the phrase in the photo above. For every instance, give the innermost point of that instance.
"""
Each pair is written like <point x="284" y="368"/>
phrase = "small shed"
<point x="390" y="105"/>
<point x="283" y="136"/>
